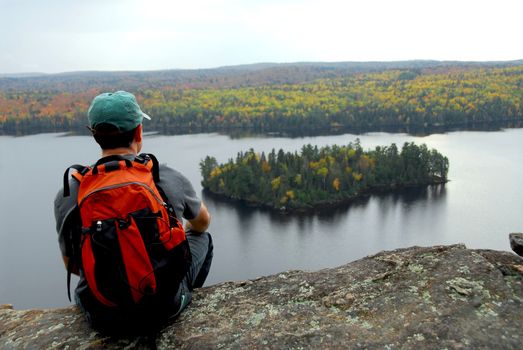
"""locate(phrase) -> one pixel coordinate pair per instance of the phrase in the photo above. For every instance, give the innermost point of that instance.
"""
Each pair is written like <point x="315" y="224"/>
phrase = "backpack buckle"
<point x="123" y="223"/>
<point x="142" y="158"/>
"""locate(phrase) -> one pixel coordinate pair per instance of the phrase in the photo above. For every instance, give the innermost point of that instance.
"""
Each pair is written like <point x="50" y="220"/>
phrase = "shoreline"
<point x="243" y="131"/>
<point x="321" y="204"/>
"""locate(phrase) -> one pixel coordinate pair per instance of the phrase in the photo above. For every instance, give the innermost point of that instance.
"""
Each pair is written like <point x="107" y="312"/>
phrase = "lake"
<point x="480" y="206"/>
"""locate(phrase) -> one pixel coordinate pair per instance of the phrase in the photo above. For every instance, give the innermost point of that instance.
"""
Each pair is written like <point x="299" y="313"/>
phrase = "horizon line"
<point x="34" y="74"/>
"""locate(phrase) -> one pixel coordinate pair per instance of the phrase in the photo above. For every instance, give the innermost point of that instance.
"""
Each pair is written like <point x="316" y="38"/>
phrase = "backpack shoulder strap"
<point x="81" y="171"/>
<point x="69" y="272"/>
<point x="72" y="237"/>
<point x="144" y="158"/>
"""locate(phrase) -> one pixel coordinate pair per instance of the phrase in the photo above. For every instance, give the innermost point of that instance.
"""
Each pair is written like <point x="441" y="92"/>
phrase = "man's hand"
<point x="201" y="222"/>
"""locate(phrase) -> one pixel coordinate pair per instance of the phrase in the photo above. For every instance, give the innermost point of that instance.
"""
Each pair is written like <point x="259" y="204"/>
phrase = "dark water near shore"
<point x="480" y="205"/>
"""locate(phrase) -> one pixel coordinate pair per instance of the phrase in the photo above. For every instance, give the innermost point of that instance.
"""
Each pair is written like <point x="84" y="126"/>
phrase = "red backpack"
<point x="132" y="248"/>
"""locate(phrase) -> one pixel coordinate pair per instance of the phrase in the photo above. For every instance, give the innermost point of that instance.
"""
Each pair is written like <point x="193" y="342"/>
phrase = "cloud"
<point x="63" y="35"/>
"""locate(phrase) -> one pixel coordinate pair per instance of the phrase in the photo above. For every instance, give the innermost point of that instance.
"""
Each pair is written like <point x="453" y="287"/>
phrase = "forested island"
<point x="275" y="98"/>
<point x="321" y="176"/>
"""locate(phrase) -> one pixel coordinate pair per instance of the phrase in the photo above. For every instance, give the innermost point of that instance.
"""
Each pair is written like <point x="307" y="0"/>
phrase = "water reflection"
<point x="406" y="198"/>
<point x="269" y="241"/>
<point x="413" y="130"/>
<point x="242" y="133"/>
<point x="409" y="197"/>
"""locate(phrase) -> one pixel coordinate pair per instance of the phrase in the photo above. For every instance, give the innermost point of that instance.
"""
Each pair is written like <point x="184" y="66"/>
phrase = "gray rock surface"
<point x="415" y="298"/>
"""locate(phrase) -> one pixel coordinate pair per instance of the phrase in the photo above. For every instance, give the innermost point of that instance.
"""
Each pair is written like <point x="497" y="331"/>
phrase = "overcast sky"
<point x="69" y="35"/>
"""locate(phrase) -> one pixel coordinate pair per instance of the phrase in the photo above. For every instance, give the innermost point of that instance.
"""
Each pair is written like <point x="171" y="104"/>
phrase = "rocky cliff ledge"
<point x="416" y="298"/>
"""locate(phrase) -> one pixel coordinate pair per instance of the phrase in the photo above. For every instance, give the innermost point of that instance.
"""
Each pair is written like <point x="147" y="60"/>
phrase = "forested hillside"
<point x="275" y="98"/>
<point x="328" y="175"/>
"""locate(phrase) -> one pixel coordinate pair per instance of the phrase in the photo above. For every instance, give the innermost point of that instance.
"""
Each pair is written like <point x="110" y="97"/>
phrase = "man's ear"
<point x="138" y="134"/>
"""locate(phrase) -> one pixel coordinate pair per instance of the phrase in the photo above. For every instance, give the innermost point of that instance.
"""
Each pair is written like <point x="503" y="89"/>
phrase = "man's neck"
<point x="118" y="151"/>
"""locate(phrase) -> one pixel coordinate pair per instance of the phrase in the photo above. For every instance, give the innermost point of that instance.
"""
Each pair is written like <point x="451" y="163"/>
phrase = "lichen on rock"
<point x="436" y="297"/>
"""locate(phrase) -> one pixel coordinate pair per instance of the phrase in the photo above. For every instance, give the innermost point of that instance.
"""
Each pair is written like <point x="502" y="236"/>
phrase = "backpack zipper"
<point x="122" y="185"/>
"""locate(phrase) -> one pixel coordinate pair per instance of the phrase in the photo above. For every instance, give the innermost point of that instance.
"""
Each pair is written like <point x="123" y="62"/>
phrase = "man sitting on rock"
<point x="135" y="262"/>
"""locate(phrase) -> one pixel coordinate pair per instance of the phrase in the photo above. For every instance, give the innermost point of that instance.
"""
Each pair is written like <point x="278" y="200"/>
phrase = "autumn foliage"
<point x="408" y="97"/>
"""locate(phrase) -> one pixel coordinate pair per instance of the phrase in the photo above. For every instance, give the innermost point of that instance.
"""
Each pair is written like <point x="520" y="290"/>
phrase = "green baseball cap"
<point x="116" y="108"/>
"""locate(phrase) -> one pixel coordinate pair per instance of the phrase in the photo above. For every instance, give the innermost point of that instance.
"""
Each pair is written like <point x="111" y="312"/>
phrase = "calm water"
<point x="479" y="207"/>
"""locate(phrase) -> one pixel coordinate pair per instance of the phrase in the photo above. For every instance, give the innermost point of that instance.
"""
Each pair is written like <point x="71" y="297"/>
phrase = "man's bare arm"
<point x="201" y="222"/>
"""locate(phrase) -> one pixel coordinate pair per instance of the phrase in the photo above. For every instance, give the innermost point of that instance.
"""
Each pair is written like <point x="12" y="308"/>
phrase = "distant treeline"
<point x="317" y="176"/>
<point x="444" y="96"/>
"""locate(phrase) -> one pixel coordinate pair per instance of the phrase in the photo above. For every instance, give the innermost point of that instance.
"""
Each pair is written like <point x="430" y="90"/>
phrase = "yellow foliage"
<point x="364" y="162"/>
<point x="266" y="167"/>
<point x="227" y="167"/>
<point x="357" y="176"/>
<point x="250" y="156"/>
<point x="321" y="163"/>
<point x="290" y="194"/>
<point x="323" y="172"/>
<point x="314" y="165"/>
<point x="215" y="172"/>
<point x="336" y="184"/>
<point x="275" y="183"/>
